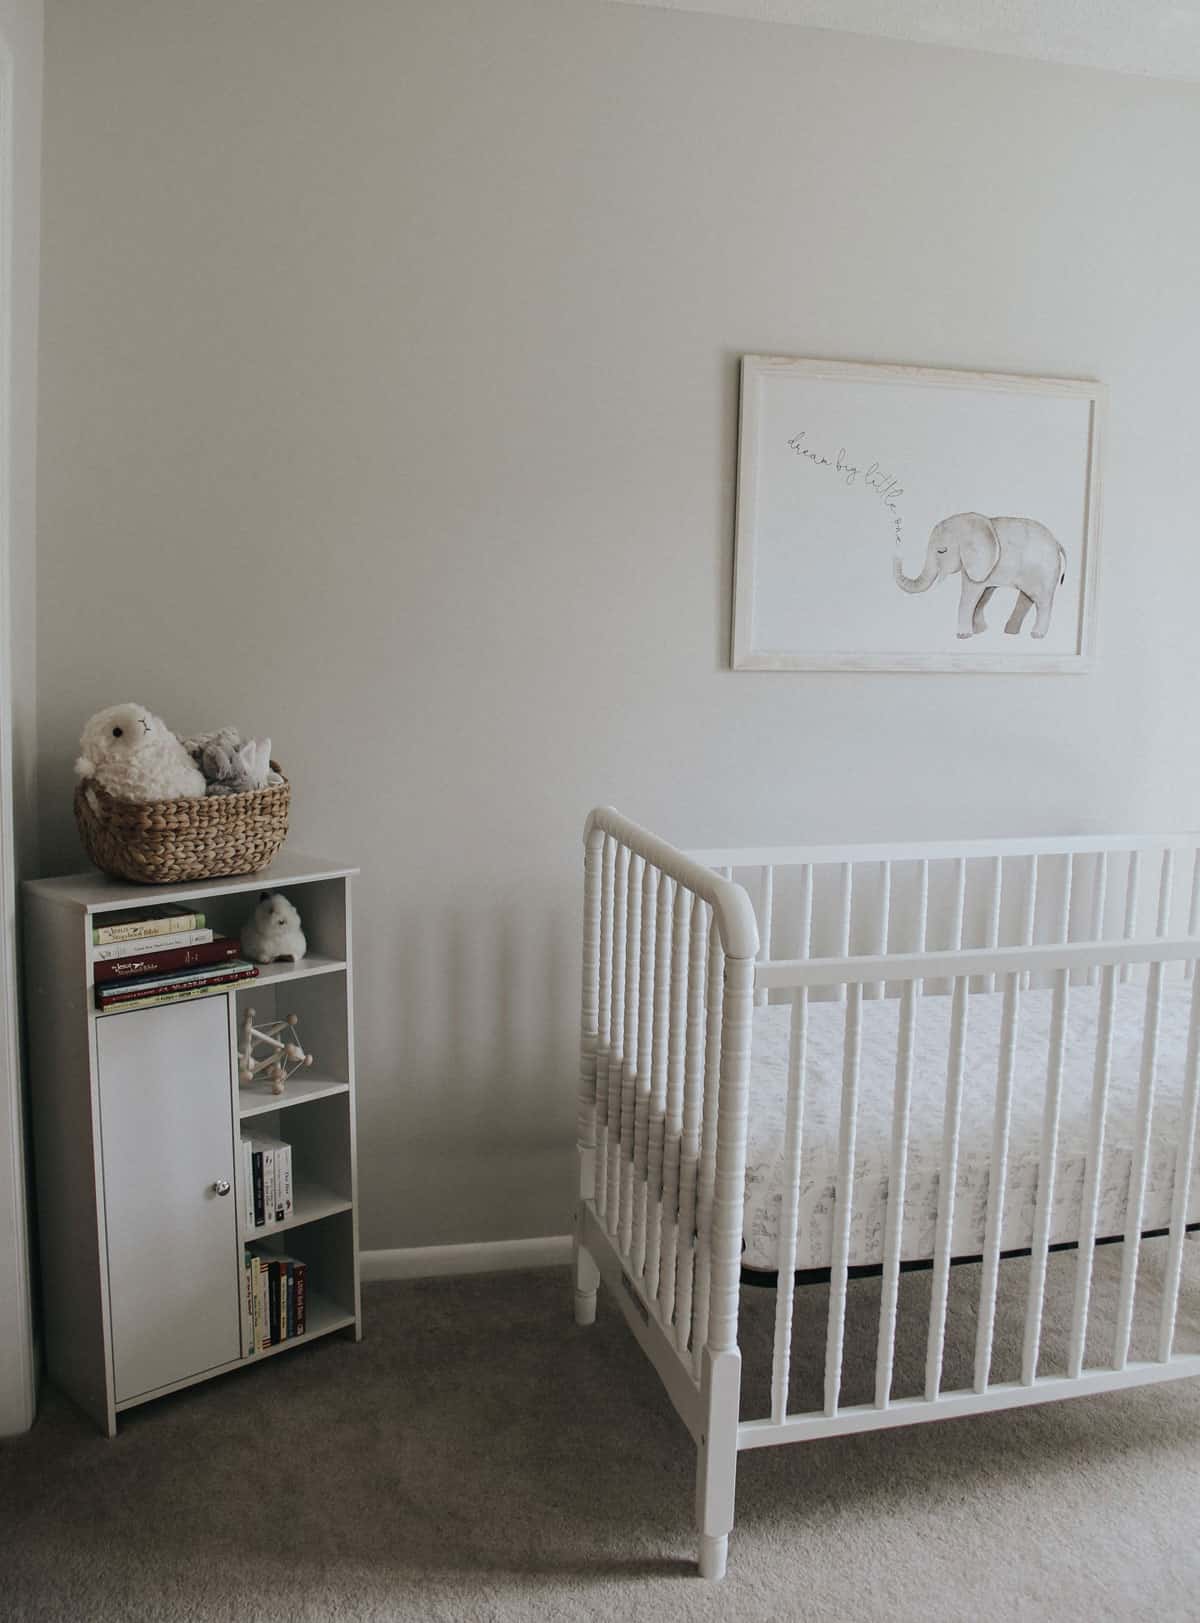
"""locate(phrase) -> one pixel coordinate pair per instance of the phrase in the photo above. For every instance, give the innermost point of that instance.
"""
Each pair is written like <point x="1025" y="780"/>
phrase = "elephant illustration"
<point x="993" y="552"/>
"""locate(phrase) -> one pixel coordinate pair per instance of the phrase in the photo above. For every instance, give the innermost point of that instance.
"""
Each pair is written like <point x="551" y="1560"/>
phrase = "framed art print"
<point x="900" y="518"/>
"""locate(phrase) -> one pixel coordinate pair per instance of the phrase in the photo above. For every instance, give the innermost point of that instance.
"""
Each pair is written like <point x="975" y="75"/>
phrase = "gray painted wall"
<point x="389" y="406"/>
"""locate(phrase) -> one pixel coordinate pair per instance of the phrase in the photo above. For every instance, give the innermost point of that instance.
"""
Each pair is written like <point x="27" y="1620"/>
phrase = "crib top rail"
<point x="788" y="856"/>
<point x="731" y="906"/>
<point x="950" y="965"/>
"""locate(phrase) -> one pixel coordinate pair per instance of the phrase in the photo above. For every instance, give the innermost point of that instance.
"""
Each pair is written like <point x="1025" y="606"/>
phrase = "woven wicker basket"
<point x="163" y="842"/>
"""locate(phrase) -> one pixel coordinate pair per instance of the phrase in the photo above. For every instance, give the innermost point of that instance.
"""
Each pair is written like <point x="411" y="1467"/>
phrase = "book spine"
<point x="273" y="1289"/>
<point x="248" y="1301"/>
<point x="268" y="1156"/>
<point x="248" y="1183"/>
<point x="141" y="966"/>
<point x="291" y="1297"/>
<point x="134" y="1000"/>
<point x="260" y="1205"/>
<point x="117" y="950"/>
<point x="283" y="1182"/>
<point x="143" y="929"/>
<point x="301" y="1273"/>
<point x="264" y="1303"/>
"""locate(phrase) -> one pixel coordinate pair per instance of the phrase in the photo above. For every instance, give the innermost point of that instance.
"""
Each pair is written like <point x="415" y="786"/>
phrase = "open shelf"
<point x="271" y="974"/>
<point x="310" y="1204"/>
<point x="258" y="1100"/>
<point x="323" y="1317"/>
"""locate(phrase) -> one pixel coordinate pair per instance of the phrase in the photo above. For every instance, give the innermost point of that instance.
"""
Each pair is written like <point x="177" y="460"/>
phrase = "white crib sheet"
<point x="766" y="1170"/>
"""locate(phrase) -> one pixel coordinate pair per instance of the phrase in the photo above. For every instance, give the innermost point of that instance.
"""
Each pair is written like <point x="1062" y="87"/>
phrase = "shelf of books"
<point x="262" y="1182"/>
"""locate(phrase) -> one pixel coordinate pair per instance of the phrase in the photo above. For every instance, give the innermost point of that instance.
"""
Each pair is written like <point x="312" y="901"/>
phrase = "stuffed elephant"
<point x="993" y="552"/>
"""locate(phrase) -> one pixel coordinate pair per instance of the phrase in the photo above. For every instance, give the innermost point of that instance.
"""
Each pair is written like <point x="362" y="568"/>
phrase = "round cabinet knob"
<point x="221" y="1187"/>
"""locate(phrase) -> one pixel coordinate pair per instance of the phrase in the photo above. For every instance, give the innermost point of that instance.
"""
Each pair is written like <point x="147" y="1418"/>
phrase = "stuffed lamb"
<point x="134" y="755"/>
<point x="272" y="931"/>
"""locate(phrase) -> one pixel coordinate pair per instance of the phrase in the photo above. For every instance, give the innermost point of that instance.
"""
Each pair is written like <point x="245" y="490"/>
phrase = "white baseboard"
<point x="482" y="1257"/>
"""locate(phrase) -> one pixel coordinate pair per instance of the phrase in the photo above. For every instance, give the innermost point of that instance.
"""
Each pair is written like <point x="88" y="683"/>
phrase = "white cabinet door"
<point x="166" y="1124"/>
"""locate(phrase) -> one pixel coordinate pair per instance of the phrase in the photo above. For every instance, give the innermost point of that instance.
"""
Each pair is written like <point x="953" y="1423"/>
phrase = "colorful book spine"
<point x="264" y="1305"/>
<point x="148" y="995"/>
<point x="139" y="966"/>
<point x="117" y="950"/>
<point x="154" y="922"/>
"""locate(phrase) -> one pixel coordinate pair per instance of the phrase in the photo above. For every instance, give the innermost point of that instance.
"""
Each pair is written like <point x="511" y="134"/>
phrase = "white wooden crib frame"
<point x="674" y="960"/>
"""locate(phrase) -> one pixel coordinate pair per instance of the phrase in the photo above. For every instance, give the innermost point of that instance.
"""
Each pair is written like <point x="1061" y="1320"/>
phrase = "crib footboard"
<point x="668" y="982"/>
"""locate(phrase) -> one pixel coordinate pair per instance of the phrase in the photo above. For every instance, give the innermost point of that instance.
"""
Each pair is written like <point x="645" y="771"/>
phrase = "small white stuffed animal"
<point x="230" y="763"/>
<point x="273" y="931"/>
<point x="134" y="755"/>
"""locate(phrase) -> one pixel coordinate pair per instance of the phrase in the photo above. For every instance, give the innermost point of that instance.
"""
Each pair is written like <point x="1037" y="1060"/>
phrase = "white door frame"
<point x="17" y="1388"/>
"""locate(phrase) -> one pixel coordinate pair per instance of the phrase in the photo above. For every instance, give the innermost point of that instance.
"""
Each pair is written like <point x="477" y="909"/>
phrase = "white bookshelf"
<point x="138" y="1118"/>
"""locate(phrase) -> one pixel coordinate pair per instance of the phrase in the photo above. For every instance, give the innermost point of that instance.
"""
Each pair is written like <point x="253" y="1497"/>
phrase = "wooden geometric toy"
<point x="272" y="1050"/>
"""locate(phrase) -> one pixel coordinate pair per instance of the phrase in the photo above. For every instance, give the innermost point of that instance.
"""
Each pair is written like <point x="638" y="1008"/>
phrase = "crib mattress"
<point x="766" y="1170"/>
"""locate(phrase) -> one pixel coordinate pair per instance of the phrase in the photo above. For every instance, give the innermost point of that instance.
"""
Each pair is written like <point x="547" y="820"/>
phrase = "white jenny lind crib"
<point x="962" y="1052"/>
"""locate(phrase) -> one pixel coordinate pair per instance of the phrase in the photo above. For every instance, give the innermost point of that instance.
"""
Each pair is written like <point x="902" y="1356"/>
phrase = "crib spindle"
<point x="897" y="1181"/>
<point x="960" y="903"/>
<point x="1165" y="884"/>
<point x="1193" y="912"/>
<point x="789" y="1215"/>
<point x="1099" y="907"/>
<point x="616" y="1058"/>
<point x="635" y="977"/>
<point x="806" y="910"/>
<point x="993" y="916"/>
<point x="885" y="910"/>
<point x="947" y="1180"/>
<point x="997" y="1183"/>
<point x="766" y="907"/>
<point x="923" y="905"/>
<point x="1047" y="1167"/>
<point x="669" y="1201"/>
<point x="845" y="907"/>
<point x="843" y="1199"/>
<point x="1137" y="1172"/>
<point x="1029" y="912"/>
<point x="604" y="1047"/>
<point x="693" y="1100"/>
<point x="652" y="1101"/>
<point x="1063" y="932"/>
<point x="708" y="1143"/>
<point x="1181" y="1192"/>
<point x="1132" y="878"/>
<point x="1095" y="1158"/>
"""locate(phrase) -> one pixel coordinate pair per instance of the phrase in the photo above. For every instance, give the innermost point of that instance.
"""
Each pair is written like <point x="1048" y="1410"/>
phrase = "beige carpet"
<point x="478" y="1457"/>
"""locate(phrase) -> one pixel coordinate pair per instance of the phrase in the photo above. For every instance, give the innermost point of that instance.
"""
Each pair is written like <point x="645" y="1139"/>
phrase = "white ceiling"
<point x="1157" y="37"/>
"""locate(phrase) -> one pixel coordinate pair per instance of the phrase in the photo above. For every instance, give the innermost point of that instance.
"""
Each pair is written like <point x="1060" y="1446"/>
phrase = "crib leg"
<point x="716" y="1464"/>
<point x="587" y="1283"/>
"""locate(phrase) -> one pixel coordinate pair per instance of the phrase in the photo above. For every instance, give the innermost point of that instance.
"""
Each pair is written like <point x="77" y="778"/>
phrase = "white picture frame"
<point x="846" y="469"/>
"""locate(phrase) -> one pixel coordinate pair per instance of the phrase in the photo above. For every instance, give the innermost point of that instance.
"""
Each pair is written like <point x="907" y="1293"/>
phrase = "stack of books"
<point x="161" y="954"/>
<point x="267" y="1180"/>
<point x="276" y="1292"/>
